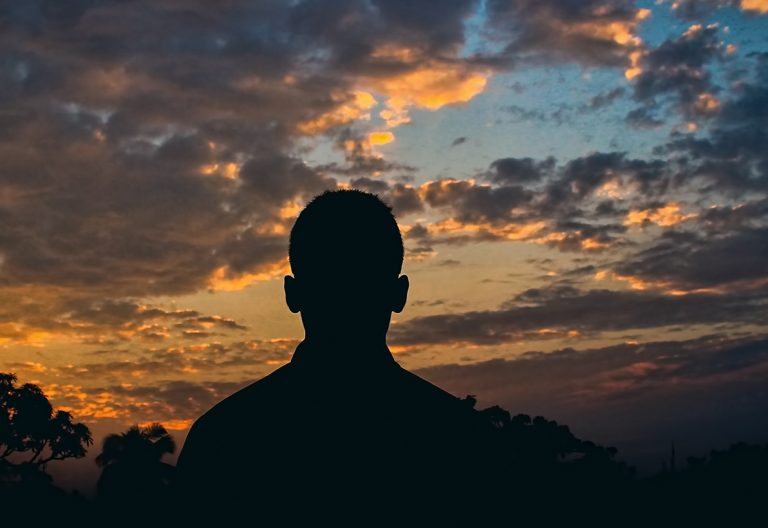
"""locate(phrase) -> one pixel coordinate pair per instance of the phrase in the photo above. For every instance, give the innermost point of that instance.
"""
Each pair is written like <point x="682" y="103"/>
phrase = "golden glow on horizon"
<point x="172" y="425"/>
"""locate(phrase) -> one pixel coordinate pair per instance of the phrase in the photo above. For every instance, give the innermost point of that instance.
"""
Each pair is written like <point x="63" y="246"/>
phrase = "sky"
<point x="582" y="187"/>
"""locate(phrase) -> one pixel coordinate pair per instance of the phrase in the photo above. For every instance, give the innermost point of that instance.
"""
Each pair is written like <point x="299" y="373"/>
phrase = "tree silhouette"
<point x="32" y="434"/>
<point x="133" y="471"/>
<point x="30" y="427"/>
<point x="542" y="463"/>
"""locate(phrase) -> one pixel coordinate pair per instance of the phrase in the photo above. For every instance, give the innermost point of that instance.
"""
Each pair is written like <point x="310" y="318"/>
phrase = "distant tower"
<point x="672" y="460"/>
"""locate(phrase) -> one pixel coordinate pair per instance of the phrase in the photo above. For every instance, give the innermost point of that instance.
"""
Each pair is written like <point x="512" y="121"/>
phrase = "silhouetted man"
<point x="341" y="434"/>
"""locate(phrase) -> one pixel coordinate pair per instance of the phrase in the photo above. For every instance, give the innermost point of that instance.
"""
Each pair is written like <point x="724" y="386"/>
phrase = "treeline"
<point x="542" y="475"/>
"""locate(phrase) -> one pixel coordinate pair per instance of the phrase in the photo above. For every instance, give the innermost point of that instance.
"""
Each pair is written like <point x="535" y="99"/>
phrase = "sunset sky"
<point x="582" y="187"/>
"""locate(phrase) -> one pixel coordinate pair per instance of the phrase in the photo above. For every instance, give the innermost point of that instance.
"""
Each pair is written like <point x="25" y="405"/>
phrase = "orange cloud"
<point x="614" y="189"/>
<point x="222" y="280"/>
<point x="22" y="334"/>
<point x="664" y="216"/>
<point x="507" y="231"/>
<point x="381" y="138"/>
<point x="227" y="170"/>
<point x="634" y="70"/>
<point x="584" y="243"/>
<point x="706" y="103"/>
<point x="761" y="6"/>
<point x="638" y="284"/>
<point x="621" y="32"/>
<point x="430" y="85"/>
<point x="351" y="107"/>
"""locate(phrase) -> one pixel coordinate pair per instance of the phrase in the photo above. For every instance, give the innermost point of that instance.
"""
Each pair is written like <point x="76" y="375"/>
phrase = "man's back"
<point x="342" y="434"/>
<point x="370" y="444"/>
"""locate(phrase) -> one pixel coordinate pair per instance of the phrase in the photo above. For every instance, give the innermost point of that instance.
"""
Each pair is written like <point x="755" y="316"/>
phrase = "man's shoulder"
<point x="431" y="398"/>
<point x="249" y="401"/>
<point x="428" y="391"/>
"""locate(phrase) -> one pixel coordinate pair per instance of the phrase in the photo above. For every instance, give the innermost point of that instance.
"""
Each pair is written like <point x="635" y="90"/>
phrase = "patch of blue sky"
<point x="747" y="31"/>
<point x="662" y="24"/>
<point x="476" y="41"/>
<point x="493" y="132"/>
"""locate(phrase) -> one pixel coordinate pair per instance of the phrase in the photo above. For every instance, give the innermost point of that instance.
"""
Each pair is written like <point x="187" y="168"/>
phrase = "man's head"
<point x="346" y="254"/>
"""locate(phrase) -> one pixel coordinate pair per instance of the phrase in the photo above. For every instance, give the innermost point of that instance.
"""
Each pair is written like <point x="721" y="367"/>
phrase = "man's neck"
<point x="343" y="353"/>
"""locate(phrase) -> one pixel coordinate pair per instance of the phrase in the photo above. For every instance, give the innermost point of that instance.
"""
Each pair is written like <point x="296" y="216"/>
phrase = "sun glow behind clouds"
<point x="188" y="201"/>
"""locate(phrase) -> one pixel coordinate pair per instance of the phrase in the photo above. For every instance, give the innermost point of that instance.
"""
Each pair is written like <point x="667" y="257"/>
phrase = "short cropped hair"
<point x="345" y="230"/>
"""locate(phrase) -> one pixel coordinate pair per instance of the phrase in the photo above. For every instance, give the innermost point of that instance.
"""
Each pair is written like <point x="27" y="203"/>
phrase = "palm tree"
<point x="133" y="470"/>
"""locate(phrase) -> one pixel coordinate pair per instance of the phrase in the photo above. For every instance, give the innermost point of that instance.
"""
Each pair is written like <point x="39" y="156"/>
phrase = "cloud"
<point x="697" y="9"/>
<point x="661" y="215"/>
<point x="688" y="261"/>
<point x="103" y="321"/>
<point x="729" y="217"/>
<point x="731" y="158"/>
<point x="473" y="203"/>
<point x="554" y="312"/>
<point x="605" y="99"/>
<point x="352" y="107"/>
<point x="174" y="403"/>
<point x="522" y="115"/>
<point x="641" y="119"/>
<point x="604" y="372"/>
<point x="677" y="69"/>
<point x="213" y="359"/>
<point x="571" y="235"/>
<point x="539" y="201"/>
<point x="593" y="33"/>
<point x="519" y="170"/>
<point x="430" y="85"/>
<point x="360" y="156"/>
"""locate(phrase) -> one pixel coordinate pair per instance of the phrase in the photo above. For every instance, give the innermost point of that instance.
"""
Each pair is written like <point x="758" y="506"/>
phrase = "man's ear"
<point x="292" y="294"/>
<point x="400" y="294"/>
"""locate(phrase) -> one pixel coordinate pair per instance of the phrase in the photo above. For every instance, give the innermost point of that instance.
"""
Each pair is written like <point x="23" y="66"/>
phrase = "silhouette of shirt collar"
<point x="316" y="357"/>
